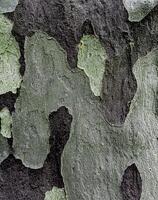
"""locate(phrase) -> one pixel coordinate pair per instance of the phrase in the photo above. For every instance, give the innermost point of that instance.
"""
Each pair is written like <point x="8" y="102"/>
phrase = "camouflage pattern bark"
<point x="82" y="75"/>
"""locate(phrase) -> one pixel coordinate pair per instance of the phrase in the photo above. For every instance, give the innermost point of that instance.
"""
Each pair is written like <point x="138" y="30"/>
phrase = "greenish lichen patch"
<point x="91" y="58"/>
<point x="55" y="194"/>
<point x="10" y="78"/>
<point x="6" y="121"/>
<point x="8" y="5"/>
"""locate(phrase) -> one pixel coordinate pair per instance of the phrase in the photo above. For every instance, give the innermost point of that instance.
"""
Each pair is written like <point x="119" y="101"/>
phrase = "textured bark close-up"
<point x="78" y="99"/>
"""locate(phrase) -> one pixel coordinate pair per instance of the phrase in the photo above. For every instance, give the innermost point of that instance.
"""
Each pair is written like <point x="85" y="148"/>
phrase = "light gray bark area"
<point x="138" y="9"/>
<point x="97" y="154"/>
<point x="8" y="5"/>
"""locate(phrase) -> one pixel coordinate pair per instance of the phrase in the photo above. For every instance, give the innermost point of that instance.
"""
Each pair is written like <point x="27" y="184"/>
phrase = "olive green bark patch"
<point x="8" y="5"/>
<point x="6" y="121"/>
<point x="10" y="78"/>
<point x="55" y="194"/>
<point x="91" y="58"/>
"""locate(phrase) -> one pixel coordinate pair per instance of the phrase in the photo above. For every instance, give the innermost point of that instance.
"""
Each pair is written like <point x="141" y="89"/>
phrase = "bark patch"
<point x="28" y="184"/>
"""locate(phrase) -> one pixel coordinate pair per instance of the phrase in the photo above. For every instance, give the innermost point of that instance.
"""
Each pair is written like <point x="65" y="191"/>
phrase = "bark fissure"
<point x="131" y="185"/>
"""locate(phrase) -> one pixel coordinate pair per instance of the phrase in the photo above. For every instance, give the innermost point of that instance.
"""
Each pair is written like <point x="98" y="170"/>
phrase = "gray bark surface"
<point x="95" y="147"/>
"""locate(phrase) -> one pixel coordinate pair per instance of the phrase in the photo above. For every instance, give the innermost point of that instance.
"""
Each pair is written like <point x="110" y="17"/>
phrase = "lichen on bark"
<point x="6" y="122"/>
<point x="91" y="58"/>
<point x="9" y="58"/>
<point x="55" y="194"/>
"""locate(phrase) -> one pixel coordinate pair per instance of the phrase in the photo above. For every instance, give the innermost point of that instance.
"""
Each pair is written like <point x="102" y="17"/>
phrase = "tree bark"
<point x="78" y="100"/>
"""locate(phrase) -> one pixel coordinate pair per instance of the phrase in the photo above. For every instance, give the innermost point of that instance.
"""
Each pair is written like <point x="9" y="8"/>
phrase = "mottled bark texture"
<point x="22" y="183"/>
<point x="107" y="132"/>
<point x="64" y="21"/>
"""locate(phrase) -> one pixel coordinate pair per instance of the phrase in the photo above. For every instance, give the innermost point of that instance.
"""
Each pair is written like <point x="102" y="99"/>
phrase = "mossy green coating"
<point x="10" y="78"/>
<point x="6" y="121"/>
<point x="8" y="5"/>
<point x="91" y="58"/>
<point x="55" y="194"/>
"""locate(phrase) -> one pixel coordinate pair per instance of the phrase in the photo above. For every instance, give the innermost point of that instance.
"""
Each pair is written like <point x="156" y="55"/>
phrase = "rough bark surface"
<point x="21" y="183"/>
<point x="114" y="116"/>
<point x="65" y="24"/>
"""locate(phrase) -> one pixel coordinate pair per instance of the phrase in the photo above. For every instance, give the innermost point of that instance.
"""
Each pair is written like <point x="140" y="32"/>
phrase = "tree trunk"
<point x="78" y="100"/>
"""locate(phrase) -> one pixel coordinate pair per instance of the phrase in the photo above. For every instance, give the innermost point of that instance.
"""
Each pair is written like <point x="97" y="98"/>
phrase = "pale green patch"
<point x="55" y="194"/>
<point x="8" y="5"/>
<point x="10" y="78"/>
<point x="6" y="121"/>
<point x="91" y="58"/>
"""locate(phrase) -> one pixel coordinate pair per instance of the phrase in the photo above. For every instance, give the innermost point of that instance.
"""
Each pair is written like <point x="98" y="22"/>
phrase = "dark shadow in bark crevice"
<point x="87" y="28"/>
<point x="131" y="186"/>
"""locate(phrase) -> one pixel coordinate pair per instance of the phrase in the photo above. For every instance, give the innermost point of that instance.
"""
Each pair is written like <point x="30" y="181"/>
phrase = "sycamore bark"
<point x="78" y="100"/>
